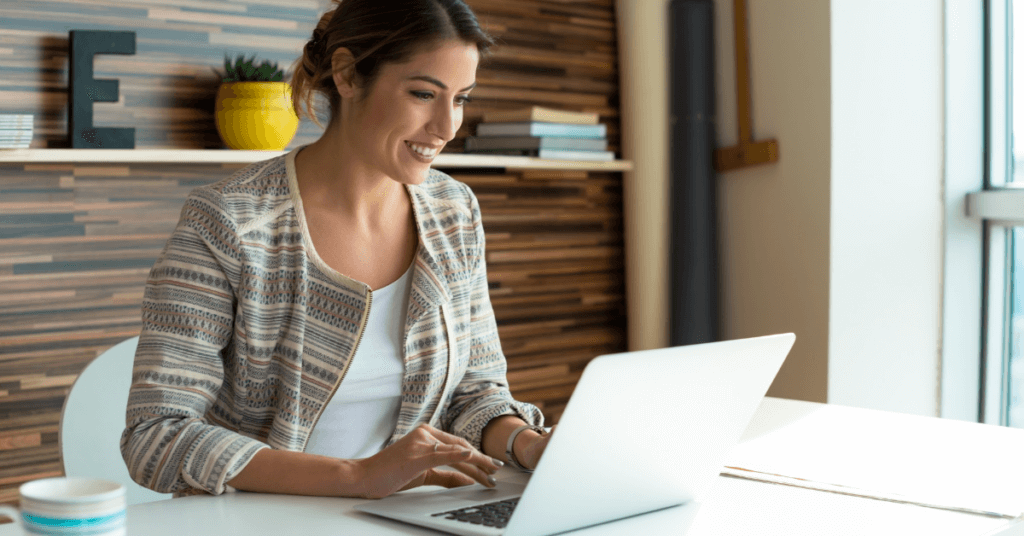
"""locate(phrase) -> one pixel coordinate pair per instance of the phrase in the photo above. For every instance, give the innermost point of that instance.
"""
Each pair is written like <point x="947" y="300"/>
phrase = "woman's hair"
<point x="376" y="32"/>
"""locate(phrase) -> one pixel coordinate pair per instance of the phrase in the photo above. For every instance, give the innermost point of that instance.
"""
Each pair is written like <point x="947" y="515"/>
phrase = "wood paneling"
<point x="554" y="260"/>
<point x="77" y="240"/>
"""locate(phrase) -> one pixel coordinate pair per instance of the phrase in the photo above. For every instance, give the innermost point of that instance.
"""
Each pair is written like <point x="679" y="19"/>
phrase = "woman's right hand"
<point x="412" y="461"/>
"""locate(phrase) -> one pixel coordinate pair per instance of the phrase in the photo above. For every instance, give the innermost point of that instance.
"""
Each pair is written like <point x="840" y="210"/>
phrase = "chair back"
<point x="93" y="419"/>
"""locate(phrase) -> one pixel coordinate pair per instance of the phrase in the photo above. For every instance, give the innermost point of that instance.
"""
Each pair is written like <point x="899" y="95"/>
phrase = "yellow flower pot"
<point x="256" y="115"/>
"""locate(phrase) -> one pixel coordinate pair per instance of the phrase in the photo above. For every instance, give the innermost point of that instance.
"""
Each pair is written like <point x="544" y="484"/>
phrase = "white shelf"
<point x="226" y="156"/>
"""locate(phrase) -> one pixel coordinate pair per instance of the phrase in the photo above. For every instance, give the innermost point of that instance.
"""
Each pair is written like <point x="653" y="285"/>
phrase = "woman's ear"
<point x="343" y="71"/>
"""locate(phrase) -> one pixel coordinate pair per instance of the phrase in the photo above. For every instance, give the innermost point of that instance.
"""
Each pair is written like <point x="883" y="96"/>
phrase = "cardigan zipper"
<point x="344" y="372"/>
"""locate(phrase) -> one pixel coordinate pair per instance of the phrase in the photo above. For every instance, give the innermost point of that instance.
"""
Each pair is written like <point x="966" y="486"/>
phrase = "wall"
<point x="840" y="241"/>
<point x="887" y="205"/>
<point x="773" y="219"/>
<point x="963" y="249"/>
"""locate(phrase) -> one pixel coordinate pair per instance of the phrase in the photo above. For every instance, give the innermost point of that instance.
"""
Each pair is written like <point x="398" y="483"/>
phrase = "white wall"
<point x="886" y="204"/>
<point x="840" y="241"/>
<point x="962" y="251"/>
<point x="773" y="219"/>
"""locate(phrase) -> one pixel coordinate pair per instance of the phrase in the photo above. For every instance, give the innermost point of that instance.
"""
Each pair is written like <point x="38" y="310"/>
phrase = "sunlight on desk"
<point x="924" y="460"/>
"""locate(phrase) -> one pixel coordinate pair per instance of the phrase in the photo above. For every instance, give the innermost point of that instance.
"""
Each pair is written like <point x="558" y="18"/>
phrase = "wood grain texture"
<point x="77" y="240"/>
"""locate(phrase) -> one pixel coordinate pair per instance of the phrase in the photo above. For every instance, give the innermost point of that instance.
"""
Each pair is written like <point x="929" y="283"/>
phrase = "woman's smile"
<point x="424" y="153"/>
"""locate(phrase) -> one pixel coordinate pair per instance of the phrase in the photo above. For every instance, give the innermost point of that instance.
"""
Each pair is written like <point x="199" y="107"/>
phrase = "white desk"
<point x="734" y="507"/>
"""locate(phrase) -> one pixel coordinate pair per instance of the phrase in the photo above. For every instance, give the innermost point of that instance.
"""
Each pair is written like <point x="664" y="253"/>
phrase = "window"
<point x="1000" y="205"/>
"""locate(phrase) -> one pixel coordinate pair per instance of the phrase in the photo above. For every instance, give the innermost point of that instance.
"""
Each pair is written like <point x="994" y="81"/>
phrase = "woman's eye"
<point x="460" y="100"/>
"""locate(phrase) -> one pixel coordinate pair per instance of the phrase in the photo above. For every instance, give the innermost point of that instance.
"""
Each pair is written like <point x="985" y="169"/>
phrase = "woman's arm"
<point x="528" y="447"/>
<point x="298" y="473"/>
<point x="410" y="462"/>
<point x="168" y="444"/>
<point x="482" y="409"/>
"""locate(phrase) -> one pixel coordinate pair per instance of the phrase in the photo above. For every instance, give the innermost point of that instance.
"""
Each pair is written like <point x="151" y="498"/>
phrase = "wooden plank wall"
<point x="76" y="241"/>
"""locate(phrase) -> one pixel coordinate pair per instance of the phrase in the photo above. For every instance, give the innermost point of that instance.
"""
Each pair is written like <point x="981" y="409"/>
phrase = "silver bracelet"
<point x="512" y="439"/>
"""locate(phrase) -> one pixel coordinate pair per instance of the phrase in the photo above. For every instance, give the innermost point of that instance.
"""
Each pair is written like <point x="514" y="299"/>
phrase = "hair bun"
<point x="317" y="44"/>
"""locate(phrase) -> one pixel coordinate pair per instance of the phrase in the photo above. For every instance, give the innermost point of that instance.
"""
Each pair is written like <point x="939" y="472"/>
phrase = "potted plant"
<point x="254" y="106"/>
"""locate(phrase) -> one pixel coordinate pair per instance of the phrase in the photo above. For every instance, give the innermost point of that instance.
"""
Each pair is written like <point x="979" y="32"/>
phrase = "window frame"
<point x="995" y="205"/>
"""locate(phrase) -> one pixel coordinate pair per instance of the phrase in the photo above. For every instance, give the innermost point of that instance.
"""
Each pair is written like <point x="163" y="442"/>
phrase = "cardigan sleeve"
<point x="169" y="443"/>
<point x="483" y="393"/>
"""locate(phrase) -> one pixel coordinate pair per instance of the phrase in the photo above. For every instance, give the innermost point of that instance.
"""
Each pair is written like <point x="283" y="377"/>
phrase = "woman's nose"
<point x="446" y="122"/>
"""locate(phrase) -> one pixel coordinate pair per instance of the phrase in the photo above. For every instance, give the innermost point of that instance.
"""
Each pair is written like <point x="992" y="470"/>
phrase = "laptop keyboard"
<point x="494" y="514"/>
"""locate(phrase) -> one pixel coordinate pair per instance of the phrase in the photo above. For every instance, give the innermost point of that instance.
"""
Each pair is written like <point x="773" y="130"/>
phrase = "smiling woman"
<point x="319" y="323"/>
<point x="385" y="134"/>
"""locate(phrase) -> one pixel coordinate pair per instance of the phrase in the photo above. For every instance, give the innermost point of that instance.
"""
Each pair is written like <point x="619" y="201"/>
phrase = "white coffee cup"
<point x="69" y="505"/>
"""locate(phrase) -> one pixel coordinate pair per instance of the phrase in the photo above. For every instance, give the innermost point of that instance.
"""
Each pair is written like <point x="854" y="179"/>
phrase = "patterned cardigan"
<point x="247" y="333"/>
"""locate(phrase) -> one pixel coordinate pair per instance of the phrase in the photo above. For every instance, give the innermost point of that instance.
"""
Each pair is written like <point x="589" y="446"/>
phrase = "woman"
<point x="319" y="323"/>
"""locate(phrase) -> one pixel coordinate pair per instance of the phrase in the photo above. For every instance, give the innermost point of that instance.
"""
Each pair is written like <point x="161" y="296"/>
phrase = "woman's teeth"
<point x="424" y="151"/>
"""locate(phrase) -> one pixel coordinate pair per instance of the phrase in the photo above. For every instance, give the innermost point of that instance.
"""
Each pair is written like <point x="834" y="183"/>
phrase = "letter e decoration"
<point x="83" y="89"/>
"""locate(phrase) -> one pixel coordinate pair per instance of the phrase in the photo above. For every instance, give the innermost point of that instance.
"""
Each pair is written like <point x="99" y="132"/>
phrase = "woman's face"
<point x="401" y="123"/>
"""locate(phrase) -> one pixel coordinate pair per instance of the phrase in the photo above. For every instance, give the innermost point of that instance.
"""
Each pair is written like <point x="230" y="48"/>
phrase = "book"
<point x="23" y="145"/>
<point x="541" y="114"/>
<point x="489" y="143"/>
<point x="542" y="130"/>
<point x="556" y="154"/>
<point x="8" y="121"/>
<point x="9" y="138"/>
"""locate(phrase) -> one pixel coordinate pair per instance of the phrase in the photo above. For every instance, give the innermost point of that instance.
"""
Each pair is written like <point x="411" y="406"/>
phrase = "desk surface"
<point x="734" y="506"/>
<point x="881" y="454"/>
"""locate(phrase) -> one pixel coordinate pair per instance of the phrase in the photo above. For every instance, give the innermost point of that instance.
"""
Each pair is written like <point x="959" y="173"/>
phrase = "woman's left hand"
<point x="535" y="448"/>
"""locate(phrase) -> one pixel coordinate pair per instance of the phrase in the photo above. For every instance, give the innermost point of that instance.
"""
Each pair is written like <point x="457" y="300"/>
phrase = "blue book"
<point x="564" y="130"/>
<point x="15" y="136"/>
<point x="9" y="121"/>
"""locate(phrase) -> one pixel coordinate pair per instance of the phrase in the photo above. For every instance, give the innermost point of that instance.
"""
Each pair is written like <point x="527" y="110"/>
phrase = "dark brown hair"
<point x="376" y="32"/>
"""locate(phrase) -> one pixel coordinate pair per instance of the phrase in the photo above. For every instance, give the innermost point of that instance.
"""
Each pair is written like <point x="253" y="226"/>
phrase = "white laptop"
<point x="643" y="431"/>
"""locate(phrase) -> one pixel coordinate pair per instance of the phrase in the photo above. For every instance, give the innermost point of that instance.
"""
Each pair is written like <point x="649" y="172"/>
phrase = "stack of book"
<point x="542" y="132"/>
<point x="15" y="131"/>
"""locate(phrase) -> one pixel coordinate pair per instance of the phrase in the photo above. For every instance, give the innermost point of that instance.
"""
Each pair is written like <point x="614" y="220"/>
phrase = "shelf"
<point x="225" y="156"/>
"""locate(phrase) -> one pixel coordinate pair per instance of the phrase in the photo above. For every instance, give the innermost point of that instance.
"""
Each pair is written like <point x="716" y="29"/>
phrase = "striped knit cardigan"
<point x="247" y="333"/>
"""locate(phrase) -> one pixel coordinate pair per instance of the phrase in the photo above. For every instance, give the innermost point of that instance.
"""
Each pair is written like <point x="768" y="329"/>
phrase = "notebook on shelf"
<point x="541" y="130"/>
<point x="541" y="114"/>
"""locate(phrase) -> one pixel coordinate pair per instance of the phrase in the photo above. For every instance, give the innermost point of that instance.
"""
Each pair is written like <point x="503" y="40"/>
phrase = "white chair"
<point x="92" y="420"/>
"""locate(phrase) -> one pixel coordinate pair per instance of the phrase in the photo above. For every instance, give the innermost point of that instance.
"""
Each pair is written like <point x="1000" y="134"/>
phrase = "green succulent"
<point x="245" y="70"/>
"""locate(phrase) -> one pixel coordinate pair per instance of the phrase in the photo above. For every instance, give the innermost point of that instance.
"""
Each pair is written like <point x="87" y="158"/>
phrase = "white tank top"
<point x="362" y="415"/>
